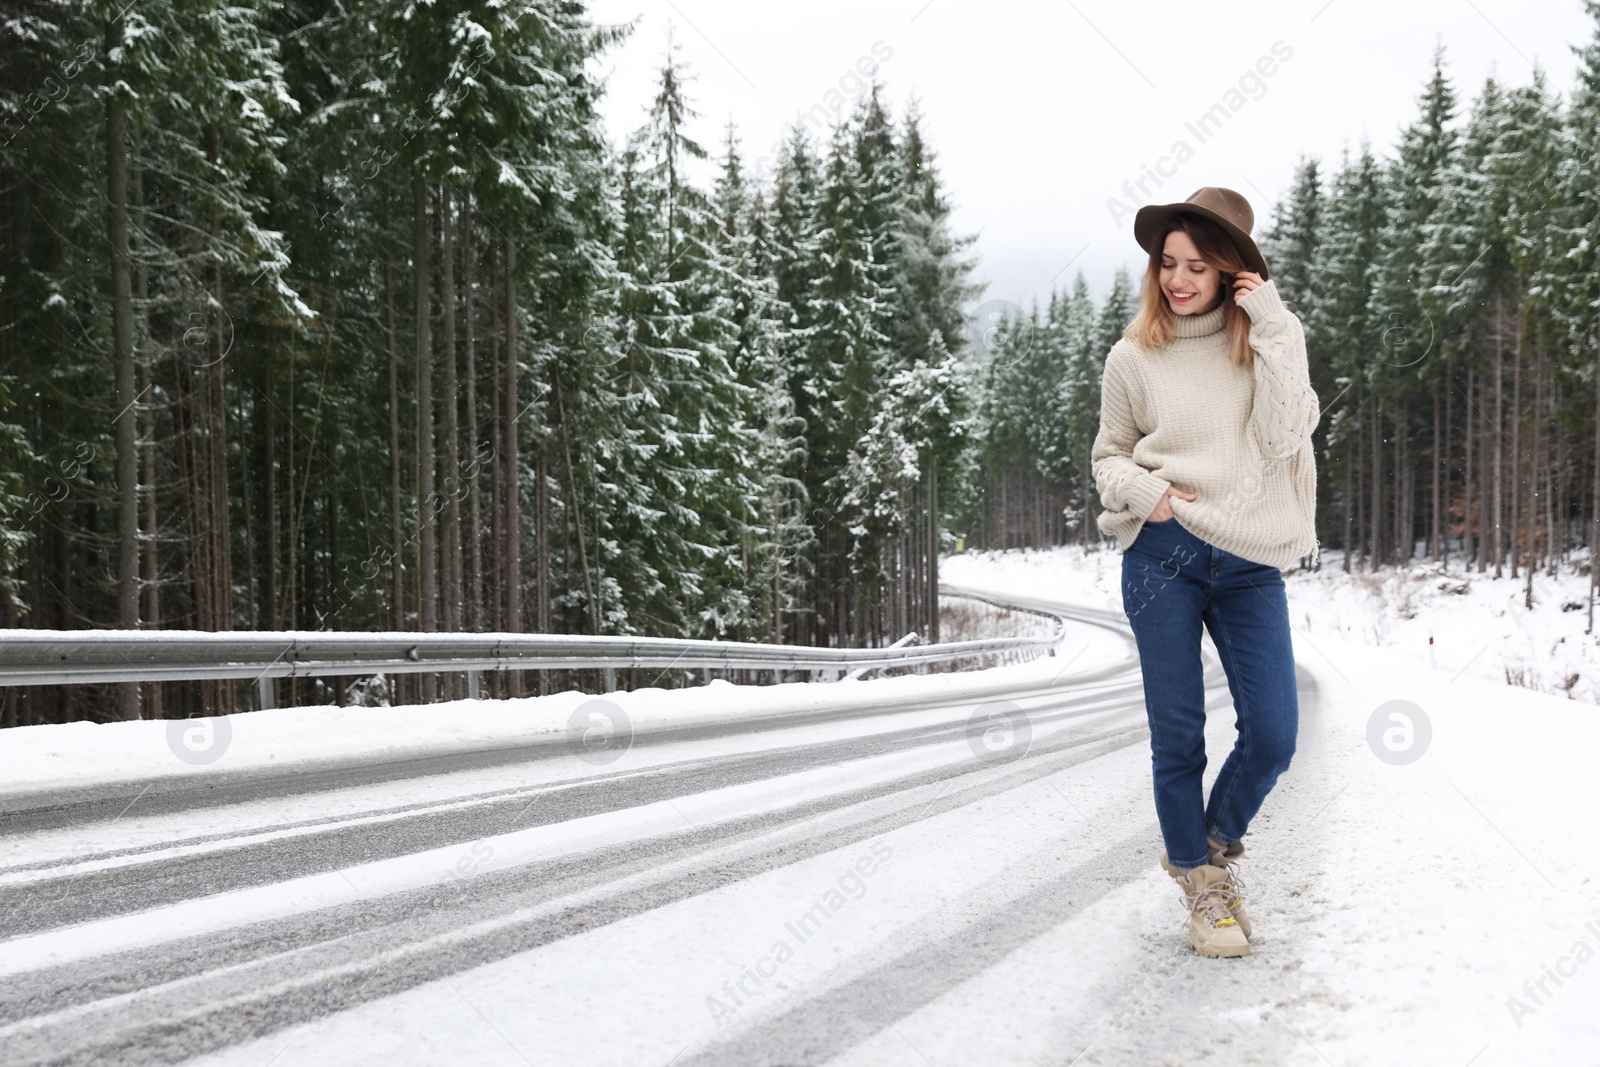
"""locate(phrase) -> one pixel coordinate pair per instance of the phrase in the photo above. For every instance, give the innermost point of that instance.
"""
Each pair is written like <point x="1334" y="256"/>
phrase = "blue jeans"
<point x="1172" y="582"/>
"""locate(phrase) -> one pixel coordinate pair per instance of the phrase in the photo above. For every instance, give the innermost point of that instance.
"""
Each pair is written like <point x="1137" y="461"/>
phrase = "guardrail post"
<point x="472" y="685"/>
<point x="705" y="675"/>
<point x="609" y="678"/>
<point x="264" y="693"/>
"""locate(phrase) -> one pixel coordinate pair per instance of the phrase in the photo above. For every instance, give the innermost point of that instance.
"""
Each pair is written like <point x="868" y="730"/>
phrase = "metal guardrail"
<point x="65" y="657"/>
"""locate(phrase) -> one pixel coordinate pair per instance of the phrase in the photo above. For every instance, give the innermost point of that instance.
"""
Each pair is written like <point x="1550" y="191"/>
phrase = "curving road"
<point x="920" y="884"/>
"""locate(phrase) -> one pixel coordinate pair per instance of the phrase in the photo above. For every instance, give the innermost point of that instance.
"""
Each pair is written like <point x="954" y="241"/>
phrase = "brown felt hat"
<point x="1223" y="206"/>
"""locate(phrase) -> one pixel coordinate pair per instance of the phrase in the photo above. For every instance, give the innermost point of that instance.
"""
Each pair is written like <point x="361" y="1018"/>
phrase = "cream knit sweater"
<point x="1239" y="438"/>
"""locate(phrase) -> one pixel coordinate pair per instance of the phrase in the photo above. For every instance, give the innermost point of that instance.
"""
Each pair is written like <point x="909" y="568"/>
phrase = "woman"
<point x="1205" y="467"/>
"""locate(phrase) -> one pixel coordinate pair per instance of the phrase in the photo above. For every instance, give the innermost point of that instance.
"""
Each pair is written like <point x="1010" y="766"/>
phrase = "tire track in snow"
<point x="350" y="969"/>
<point x="145" y="878"/>
<point x="179" y="998"/>
<point x="848" y="1013"/>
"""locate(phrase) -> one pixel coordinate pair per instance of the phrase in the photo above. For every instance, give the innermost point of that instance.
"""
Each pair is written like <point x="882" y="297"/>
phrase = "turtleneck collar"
<point x="1202" y="325"/>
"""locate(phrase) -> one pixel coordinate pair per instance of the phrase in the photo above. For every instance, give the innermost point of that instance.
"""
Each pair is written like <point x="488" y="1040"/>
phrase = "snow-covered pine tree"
<point x="1291" y="240"/>
<point x="1470" y="269"/>
<point x="1019" y="505"/>
<point x="1465" y="259"/>
<point x="1351" y="246"/>
<point x="210" y="105"/>
<point x="1078" y="397"/>
<point x="699" y="453"/>
<point x="776" y="536"/>
<point x="541" y="175"/>
<point x="1414" y="373"/>
<point x="1414" y="181"/>
<point x="46" y="124"/>
<point x="933" y="265"/>
<point x="1115" y="314"/>
<point x="795" y="266"/>
<point x="143" y="225"/>
<point x="1576" y="222"/>
<point x="1292" y="244"/>
<point x="1047" y="425"/>
<point x="1574" y="219"/>
<point x="931" y="286"/>
<point x="847" y="352"/>
<point x="1524" y="163"/>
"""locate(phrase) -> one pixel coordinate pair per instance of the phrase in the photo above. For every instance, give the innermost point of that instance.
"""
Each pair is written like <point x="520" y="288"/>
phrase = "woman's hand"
<point x="1163" y="510"/>
<point x="1245" y="281"/>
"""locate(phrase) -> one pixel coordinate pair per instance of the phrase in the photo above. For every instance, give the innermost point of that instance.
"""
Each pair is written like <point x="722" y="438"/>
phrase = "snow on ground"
<point x="1450" y="915"/>
<point x="966" y="619"/>
<point x="1477" y="623"/>
<point x="1421" y="882"/>
<point x="224" y="911"/>
<point x="1435" y="911"/>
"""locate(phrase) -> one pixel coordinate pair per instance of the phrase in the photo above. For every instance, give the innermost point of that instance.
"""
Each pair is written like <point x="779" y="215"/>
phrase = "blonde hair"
<point x="1156" y="324"/>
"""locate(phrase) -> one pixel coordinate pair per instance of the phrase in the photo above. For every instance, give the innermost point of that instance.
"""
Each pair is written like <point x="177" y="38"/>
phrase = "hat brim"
<point x="1152" y="219"/>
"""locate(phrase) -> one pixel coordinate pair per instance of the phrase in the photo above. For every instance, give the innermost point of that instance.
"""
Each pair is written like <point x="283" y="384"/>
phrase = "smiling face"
<point x="1191" y="285"/>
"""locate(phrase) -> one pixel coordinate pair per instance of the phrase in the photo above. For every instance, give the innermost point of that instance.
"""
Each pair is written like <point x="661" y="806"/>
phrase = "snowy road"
<point x="922" y="885"/>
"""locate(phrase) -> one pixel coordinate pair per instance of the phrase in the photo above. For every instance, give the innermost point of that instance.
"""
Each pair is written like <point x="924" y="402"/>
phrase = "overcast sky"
<point x="1042" y="112"/>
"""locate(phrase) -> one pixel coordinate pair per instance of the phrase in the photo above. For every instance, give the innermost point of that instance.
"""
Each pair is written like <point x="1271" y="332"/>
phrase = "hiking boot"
<point x="1213" y="931"/>
<point x="1224" y="856"/>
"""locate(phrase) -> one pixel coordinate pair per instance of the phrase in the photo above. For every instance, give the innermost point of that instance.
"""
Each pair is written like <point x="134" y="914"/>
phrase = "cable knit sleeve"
<point x="1286" y="408"/>
<point x="1123" y="484"/>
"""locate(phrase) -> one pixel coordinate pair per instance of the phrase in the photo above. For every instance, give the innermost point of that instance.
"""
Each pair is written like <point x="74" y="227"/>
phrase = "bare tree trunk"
<point x="151" y="609"/>
<point x="1408" y="526"/>
<point x="397" y="532"/>
<point x="453" y="599"/>
<point x="152" y="543"/>
<point x="1538" y="494"/>
<point x="1358" y="431"/>
<point x="1499" y="435"/>
<point x="247" y="497"/>
<point x="475" y="619"/>
<point x="1594" y="494"/>
<point x="1436" y="531"/>
<point x="1401" y="536"/>
<point x="542" y="540"/>
<point x="1518" y="541"/>
<point x="1377" y="556"/>
<point x="1348" y="466"/>
<point x="274" y="525"/>
<point x="1472" y="544"/>
<point x="427" y="547"/>
<point x="497" y="406"/>
<point x="1443" y="482"/>
<point x="513" y="538"/>
<point x="933" y="552"/>
<point x="574" y="510"/>
<point x="122" y="356"/>
<point x="1558" y="503"/>
<point x="217" y="379"/>
<point x="775" y="514"/>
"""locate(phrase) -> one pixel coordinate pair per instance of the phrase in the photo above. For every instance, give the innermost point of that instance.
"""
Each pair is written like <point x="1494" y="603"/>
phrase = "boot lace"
<point x="1215" y="903"/>
<point x="1234" y="884"/>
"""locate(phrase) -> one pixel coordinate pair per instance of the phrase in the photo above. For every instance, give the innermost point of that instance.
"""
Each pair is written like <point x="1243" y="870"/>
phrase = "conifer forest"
<point x="349" y="315"/>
